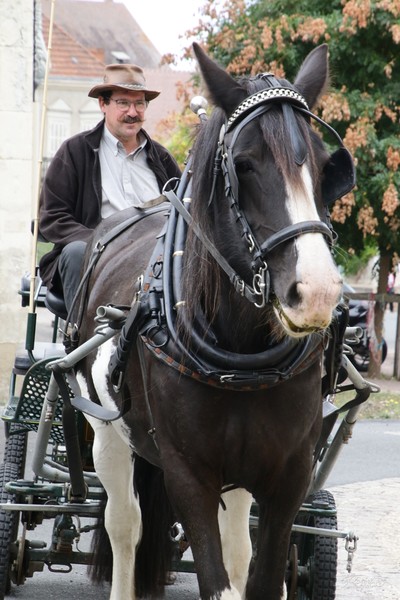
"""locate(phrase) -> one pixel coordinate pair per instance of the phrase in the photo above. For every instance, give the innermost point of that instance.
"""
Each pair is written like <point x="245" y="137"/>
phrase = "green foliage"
<point x="178" y="141"/>
<point x="42" y="249"/>
<point x="351" y="264"/>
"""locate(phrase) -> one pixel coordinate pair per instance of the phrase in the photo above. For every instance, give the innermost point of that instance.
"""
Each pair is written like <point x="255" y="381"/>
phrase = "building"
<point x="78" y="54"/>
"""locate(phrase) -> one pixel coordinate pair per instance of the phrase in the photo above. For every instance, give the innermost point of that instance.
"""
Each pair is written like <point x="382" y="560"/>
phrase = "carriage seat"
<point x="54" y="302"/>
<point x="53" y="299"/>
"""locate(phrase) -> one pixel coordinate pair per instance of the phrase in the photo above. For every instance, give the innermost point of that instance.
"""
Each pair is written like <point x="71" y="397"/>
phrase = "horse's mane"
<point x="201" y="280"/>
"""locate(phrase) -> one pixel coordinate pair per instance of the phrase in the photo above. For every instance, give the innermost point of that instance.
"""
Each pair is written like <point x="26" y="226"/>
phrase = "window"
<point x="58" y="126"/>
<point x="89" y="115"/>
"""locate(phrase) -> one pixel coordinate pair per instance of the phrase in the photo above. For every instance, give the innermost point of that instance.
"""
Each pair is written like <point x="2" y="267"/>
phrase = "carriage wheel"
<point x="15" y="449"/>
<point x="12" y="469"/>
<point x="317" y="554"/>
<point x="8" y="527"/>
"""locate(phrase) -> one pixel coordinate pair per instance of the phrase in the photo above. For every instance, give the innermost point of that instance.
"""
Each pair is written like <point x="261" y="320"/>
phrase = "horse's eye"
<point x="244" y="166"/>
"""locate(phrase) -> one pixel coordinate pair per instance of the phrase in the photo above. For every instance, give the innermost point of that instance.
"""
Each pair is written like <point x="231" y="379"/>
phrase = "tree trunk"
<point x="374" y="370"/>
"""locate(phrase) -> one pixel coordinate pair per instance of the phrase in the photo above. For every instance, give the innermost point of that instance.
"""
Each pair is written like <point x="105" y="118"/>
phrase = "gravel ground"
<point x="370" y="509"/>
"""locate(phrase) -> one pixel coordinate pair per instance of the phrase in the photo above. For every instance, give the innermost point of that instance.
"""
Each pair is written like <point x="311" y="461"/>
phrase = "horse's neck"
<point x="238" y="326"/>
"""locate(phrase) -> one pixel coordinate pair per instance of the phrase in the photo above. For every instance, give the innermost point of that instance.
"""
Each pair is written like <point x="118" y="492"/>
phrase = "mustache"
<point x="131" y="120"/>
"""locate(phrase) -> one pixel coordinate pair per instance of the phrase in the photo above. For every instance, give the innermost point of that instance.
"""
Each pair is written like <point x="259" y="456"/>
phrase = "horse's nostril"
<point x="293" y="295"/>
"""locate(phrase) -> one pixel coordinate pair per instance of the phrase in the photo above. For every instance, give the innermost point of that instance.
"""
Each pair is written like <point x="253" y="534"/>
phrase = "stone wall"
<point x="16" y="192"/>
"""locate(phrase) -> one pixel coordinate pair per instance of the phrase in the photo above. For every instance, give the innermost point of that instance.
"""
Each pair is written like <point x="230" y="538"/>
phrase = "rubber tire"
<point x="12" y="469"/>
<point x="15" y="450"/>
<point x="318" y="553"/>
<point x="8" y="526"/>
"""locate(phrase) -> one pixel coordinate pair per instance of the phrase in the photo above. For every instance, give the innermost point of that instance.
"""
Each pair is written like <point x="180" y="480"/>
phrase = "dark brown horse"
<point x="220" y="385"/>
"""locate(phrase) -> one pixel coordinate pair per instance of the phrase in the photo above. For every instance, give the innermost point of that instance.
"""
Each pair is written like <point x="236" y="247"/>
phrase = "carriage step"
<point x="23" y="487"/>
<point x="89" y="508"/>
<point x="26" y="409"/>
<point x="30" y="488"/>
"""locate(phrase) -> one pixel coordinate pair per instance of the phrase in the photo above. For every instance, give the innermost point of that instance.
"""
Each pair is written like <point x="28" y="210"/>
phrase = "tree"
<point x="363" y="104"/>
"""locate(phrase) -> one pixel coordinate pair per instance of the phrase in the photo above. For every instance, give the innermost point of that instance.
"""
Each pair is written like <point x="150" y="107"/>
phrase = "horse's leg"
<point x="114" y="466"/>
<point x="235" y="536"/>
<point x="274" y="528"/>
<point x="196" y="505"/>
<point x="113" y="462"/>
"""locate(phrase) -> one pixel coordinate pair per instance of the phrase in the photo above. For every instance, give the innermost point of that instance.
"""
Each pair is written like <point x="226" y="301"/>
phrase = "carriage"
<point x="254" y="487"/>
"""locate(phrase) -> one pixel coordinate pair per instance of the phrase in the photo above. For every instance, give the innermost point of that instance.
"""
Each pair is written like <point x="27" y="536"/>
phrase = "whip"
<point x="31" y="326"/>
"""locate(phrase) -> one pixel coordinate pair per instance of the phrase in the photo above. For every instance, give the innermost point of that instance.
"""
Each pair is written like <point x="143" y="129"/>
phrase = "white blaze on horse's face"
<point x="319" y="283"/>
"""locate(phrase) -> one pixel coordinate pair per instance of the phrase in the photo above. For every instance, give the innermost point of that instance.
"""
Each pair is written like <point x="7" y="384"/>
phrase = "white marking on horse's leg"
<point x="113" y="462"/>
<point x="235" y="537"/>
<point x="231" y="594"/>
<point x="284" y="597"/>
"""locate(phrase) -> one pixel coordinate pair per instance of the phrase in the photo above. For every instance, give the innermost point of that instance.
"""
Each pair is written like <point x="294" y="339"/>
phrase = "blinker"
<point x="339" y="176"/>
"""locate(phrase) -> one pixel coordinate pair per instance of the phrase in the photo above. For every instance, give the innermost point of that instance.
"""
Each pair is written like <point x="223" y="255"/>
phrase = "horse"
<point x="218" y="386"/>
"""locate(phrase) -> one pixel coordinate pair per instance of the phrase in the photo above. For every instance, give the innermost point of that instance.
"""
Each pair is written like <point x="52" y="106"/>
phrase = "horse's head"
<point x="261" y="170"/>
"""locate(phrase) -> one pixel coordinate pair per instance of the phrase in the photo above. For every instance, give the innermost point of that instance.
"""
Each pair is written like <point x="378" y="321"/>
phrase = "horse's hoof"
<point x="170" y="578"/>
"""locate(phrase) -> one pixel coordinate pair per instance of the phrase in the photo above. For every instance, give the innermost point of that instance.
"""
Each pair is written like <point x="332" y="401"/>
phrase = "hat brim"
<point x="98" y="90"/>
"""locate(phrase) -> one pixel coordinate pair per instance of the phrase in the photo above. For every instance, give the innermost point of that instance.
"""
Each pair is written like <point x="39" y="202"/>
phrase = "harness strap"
<point x="96" y="253"/>
<point x="234" y="379"/>
<point x="129" y="333"/>
<point x="78" y="485"/>
<point x="293" y="231"/>
<point x="84" y="405"/>
<point x="240" y="286"/>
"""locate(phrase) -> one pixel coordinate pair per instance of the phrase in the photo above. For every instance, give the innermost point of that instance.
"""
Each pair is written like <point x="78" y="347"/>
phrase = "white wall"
<point x="16" y="64"/>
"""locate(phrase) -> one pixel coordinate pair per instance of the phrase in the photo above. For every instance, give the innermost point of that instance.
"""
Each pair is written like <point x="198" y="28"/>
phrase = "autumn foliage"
<point x="363" y="104"/>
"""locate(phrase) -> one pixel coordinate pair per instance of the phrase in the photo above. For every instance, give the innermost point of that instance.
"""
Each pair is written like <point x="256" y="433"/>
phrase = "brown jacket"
<point x="70" y="201"/>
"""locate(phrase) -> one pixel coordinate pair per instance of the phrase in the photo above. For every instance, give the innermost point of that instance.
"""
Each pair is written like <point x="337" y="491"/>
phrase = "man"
<point x="98" y="172"/>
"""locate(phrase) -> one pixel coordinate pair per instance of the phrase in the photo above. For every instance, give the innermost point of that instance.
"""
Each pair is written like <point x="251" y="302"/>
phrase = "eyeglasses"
<point x="124" y="105"/>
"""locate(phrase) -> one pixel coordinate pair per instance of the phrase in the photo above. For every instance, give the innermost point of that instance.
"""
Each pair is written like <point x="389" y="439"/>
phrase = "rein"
<point x="254" y="294"/>
<point x="97" y="251"/>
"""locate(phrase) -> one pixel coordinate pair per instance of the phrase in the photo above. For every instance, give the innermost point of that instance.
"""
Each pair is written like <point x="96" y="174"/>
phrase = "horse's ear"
<point x="313" y="76"/>
<point x="224" y="91"/>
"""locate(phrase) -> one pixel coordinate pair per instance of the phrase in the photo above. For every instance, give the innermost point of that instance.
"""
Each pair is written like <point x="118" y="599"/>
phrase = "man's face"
<point x="124" y="114"/>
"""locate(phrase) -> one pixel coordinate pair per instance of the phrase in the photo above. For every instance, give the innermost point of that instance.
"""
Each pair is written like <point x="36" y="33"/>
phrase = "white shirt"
<point x="126" y="179"/>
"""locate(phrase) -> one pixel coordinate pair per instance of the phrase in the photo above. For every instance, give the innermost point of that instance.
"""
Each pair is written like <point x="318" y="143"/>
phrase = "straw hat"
<point x="123" y="77"/>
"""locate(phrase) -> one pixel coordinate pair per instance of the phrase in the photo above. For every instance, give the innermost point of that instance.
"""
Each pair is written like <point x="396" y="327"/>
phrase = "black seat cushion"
<point x="54" y="301"/>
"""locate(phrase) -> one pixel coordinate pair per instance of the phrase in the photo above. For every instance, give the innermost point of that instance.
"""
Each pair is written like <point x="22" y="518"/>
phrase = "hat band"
<point x="131" y="86"/>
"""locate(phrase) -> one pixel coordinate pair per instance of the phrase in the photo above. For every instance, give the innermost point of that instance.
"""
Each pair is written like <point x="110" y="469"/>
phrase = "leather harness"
<point x="153" y="315"/>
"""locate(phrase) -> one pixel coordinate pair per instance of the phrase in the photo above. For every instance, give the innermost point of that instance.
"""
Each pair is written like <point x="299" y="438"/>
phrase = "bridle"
<point x="255" y="105"/>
